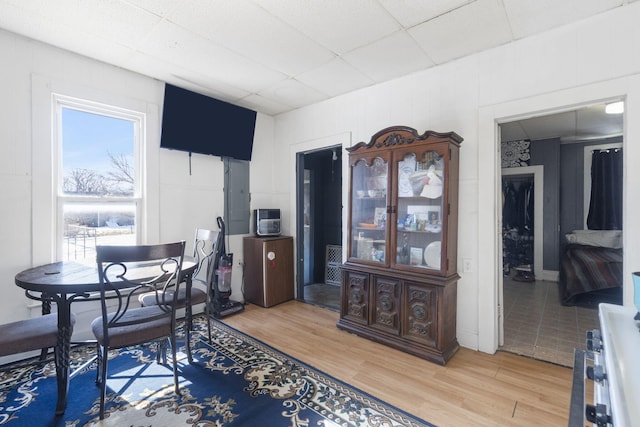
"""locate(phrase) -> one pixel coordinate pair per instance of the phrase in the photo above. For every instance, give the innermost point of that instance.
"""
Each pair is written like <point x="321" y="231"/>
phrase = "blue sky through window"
<point x="87" y="140"/>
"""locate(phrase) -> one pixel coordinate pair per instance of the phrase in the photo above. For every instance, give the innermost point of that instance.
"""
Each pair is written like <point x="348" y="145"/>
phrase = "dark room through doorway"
<point x="319" y="219"/>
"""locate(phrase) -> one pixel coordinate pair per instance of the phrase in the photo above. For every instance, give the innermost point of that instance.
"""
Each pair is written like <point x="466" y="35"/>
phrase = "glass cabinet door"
<point x="369" y="210"/>
<point x="419" y="221"/>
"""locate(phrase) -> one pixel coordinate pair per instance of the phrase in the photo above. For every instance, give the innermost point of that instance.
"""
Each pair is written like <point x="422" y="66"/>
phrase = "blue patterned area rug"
<point x="234" y="381"/>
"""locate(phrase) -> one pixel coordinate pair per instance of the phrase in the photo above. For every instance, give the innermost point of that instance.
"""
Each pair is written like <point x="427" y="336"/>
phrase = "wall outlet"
<point x="466" y="265"/>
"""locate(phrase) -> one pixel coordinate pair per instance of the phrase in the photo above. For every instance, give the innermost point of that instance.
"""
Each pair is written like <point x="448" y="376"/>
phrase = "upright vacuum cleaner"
<point x="223" y="306"/>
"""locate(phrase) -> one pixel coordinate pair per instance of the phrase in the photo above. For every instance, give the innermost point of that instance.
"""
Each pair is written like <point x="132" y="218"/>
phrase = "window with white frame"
<point x="98" y="166"/>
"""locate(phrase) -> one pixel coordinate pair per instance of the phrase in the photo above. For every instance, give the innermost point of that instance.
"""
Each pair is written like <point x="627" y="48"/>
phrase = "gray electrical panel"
<point x="237" y="198"/>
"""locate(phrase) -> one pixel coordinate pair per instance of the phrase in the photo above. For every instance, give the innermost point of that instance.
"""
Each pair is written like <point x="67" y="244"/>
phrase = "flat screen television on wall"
<point x="196" y="123"/>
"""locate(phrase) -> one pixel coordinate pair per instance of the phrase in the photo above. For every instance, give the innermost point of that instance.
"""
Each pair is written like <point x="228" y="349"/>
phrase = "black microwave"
<point x="266" y="222"/>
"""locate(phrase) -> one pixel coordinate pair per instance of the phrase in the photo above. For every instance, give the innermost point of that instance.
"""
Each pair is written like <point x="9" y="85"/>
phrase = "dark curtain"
<point x="605" y="206"/>
<point x="509" y="206"/>
<point x="517" y="208"/>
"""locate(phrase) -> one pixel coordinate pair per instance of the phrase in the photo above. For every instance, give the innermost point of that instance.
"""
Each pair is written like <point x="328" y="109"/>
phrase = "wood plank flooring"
<point x="473" y="389"/>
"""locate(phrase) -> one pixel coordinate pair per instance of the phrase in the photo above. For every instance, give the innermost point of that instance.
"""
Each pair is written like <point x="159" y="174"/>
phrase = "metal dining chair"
<point x="204" y="250"/>
<point x="124" y="272"/>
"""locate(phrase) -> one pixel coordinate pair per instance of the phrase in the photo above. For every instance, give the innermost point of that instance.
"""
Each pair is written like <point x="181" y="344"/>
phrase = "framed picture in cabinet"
<point x="380" y="217"/>
<point x="433" y="215"/>
<point x="415" y="256"/>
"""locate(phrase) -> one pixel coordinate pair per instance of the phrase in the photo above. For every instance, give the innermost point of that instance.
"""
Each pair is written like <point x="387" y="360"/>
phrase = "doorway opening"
<point x="522" y="222"/>
<point x="536" y="320"/>
<point x="319" y="219"/>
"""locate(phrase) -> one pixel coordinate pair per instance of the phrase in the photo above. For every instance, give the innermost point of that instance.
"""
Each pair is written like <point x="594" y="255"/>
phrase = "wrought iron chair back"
<point x="125" y="272"/>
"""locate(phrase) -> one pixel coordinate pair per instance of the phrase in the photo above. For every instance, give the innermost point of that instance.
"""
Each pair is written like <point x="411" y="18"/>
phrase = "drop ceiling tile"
<point x="339" y="25"/>
<point x="113" y="20"/>
<point x="94" y="46"/>
<point x="265" y="105"/>
<point x="335" y="78"/>
<point x="551" y="126"/>
<point x="189" y="79"/>
<point x="529" y="17"/>
<point x="180" y="47"/>
<point x="118" y="21"/>
<point x="412" y="12"/>
<point x="512" y="131"/>
<point x="293" y="94"/>
<point x="593" y="120"/>
<point x="14" y="18"/>
<point x="389" y="58"/>
<point x="47" y="30"/>
<point x="585" y="123"/>
<point x="472" y="28"/>
<point x="251" y="31"/>
<point x="161" y="7"/>
<point x="27" y="19"/>
<point x="63" y="22"/>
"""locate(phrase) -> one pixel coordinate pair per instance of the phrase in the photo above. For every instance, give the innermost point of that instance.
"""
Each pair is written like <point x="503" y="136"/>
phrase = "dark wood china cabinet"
<point x="400" y="278"/>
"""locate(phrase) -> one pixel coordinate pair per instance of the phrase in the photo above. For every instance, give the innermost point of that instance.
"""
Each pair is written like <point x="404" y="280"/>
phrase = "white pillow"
<point x="603" y="238"/>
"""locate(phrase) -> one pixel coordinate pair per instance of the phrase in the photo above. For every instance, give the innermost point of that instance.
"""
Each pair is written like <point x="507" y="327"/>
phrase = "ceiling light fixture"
<point x="614" y="108"/>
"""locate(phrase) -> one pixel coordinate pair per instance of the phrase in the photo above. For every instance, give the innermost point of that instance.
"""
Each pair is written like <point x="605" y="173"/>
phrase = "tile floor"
<point x="538" y="326"/>
<point x="324" y="295"/>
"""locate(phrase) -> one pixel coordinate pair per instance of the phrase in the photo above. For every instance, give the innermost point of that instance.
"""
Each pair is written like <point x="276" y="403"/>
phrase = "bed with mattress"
<point x="591" y="268"/>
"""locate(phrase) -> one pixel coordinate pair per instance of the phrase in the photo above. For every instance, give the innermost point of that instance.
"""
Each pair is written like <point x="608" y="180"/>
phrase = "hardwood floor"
<point x="473" y="389"/>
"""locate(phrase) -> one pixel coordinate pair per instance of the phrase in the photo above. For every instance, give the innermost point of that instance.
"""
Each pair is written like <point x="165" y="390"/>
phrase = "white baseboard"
<point x="468" y="339"/>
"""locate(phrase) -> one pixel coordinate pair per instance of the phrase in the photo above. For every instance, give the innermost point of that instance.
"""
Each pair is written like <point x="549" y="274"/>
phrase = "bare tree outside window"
<point x="122" y="176"/>
<point x="85" y="182"/>
<point x="118" y="181"/>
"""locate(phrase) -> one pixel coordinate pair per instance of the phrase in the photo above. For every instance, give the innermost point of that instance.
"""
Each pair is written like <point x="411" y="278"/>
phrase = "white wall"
<point x="177" y="201"/>
<point x="574" y="65"/>
<point x="593" y="60"/>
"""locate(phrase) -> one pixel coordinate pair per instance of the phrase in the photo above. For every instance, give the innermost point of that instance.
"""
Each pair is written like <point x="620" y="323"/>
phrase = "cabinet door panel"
<point x="420" y="229"/>
<point x="355" y="297"/>
<point x="369" y="208"/>
<point x="420" y="314"/>
<point x="386" y="304"/>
